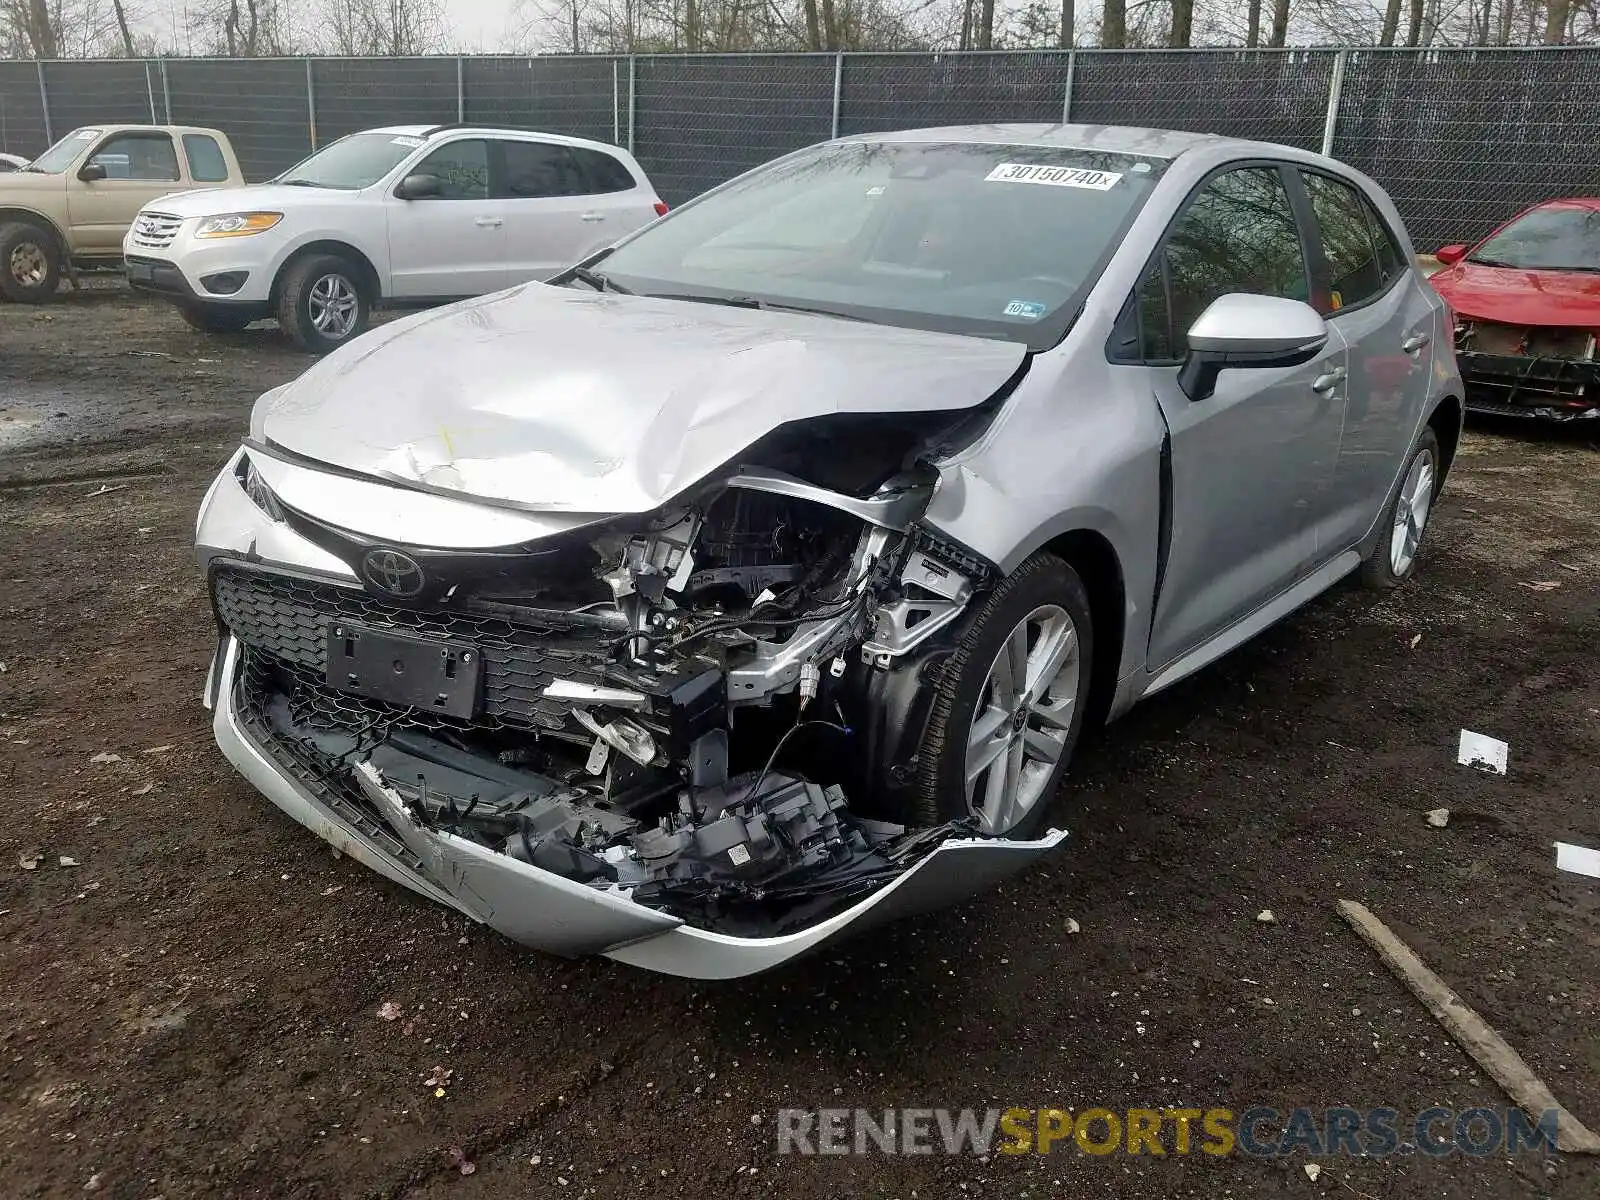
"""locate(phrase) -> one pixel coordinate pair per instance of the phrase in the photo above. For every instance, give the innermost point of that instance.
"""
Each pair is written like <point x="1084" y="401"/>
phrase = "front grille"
<point x="155" y="230"/>
<point x="287" y="619"/>
<point x="322" y="774"/>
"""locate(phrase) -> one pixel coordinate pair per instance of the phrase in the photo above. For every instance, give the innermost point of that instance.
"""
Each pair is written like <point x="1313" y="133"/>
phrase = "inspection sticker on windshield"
<point x="1028" y="310"/>
<point x="413" y="142"/>
<point x="1073" y="177"/>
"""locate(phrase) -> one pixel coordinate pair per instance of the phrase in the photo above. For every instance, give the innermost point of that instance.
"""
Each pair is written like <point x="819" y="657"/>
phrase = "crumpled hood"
<point x="558" y="398"/>
<point x="1516" y="297"/>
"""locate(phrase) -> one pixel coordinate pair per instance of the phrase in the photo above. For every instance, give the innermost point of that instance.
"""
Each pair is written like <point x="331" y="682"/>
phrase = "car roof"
<point x="429" y="131"/>
<point x="1115" y="139"/>
<point x="128" y="127"/>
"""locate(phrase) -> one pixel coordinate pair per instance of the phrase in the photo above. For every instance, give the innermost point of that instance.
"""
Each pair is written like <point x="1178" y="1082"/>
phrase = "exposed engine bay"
<point x="708" y="709"/>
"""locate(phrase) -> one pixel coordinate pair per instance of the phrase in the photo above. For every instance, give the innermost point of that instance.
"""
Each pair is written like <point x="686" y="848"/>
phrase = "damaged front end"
<point x="1547" y="372"/>
<point x="673" y="738"/>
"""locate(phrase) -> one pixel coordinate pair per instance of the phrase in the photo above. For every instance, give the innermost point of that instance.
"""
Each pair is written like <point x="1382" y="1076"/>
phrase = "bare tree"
<point x="1069" y="24"/>
<point x="1556" y="15"/>
<point x="383" y="27"/>
<point x="1182" y="24"/>
<point x="1391" y="23"/>
<point x="1252" y="37"/>
<point x="1280" y="22"/>
<point x="1114" y="25"/>
<point x="1414" y="24"/>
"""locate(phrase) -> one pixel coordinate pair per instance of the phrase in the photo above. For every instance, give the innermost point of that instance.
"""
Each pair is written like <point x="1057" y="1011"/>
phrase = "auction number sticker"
<point x="1073" y="177"/>
<point x="403" y="140"/>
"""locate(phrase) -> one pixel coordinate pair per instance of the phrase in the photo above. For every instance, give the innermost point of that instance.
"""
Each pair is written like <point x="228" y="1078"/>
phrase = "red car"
<point x="1527" y="308"/>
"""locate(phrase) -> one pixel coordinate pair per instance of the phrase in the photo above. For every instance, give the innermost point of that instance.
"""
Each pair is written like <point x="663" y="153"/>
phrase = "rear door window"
<point x="1354" y="275"/>
<point x="538" y="170"/>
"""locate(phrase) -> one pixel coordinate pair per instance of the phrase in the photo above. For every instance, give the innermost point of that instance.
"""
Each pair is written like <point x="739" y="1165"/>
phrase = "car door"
<point x="452" y="243"/>
<point x="140" y="166"/>
<point x="553" y="219"/>
<point x="1379" y="307"/>
<point x="1252" y="464"/>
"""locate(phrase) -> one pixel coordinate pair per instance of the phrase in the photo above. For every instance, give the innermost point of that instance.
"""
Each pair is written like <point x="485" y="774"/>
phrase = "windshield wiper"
<point x="1495" y="262"/>
<point x="756" y="302"/>
<point x="594" y="279"/>
<point x="301" y="183"/>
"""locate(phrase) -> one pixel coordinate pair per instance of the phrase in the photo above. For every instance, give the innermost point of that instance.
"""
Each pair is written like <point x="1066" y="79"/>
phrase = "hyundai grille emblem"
<point x="392" y="573"/>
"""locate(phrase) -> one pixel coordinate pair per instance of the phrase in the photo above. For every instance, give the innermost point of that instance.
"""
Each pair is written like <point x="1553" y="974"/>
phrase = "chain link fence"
<point x="1460" y="137"/>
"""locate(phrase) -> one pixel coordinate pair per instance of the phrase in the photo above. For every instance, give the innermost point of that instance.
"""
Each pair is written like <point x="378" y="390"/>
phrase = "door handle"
<point x="1328" y="380"/>
<point x="488" y="222"/>
<point x="593" y="216"/>
<point x="1415" y="342"/>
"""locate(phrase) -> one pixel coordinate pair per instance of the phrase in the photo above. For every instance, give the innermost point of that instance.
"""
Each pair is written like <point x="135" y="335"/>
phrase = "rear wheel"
<point x="1394" y="559"/>
<point x="323" y="303"/>
<point x="214" y="318"/>
<point x="1009" y="706"/>
<point x="30" y="263"/>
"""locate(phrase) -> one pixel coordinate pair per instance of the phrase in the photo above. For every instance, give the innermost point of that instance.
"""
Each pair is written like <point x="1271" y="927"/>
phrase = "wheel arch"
<point x="370" y="279"/>
<point x="12" y="214"/>
<point x="1446" y="421"/>
<point x="1091" y="554"/>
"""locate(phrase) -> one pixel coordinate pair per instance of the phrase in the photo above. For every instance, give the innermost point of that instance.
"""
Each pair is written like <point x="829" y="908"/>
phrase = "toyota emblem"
<point x="393" y="573"/>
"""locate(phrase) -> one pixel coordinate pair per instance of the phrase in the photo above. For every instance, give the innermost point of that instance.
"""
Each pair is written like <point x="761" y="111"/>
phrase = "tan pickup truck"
<point x="71" y="206"/>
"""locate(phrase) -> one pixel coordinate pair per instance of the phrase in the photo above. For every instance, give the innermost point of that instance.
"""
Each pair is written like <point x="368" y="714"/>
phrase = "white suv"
<point x="398" y="216"/>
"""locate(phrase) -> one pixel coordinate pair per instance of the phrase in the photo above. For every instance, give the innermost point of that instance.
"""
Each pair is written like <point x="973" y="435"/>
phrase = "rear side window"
<point x="143" y="156"/>
<point x="540" y="169"/>
<point x="1354" y="276"/>
<point x="603" y="173"/>
<point x="1238" y="235"/>
<point x="206" y="164"/>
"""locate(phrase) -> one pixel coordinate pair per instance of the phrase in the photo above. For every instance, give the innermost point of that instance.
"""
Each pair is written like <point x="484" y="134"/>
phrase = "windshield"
<point x="64" y="153"/>
<point x="991" y="240"/>
<point x="353" y="162"/>
<point x="1557" y="238"/>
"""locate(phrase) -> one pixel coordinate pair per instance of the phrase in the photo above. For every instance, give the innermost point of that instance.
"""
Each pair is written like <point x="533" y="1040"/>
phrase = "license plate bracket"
<point x="139" y="270"/>
<point x="428" y="673"/>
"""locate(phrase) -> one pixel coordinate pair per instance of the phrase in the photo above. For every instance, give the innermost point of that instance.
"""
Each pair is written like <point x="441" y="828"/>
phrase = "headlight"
<point x="236" y="224"/>
<point x="256" y="488"/>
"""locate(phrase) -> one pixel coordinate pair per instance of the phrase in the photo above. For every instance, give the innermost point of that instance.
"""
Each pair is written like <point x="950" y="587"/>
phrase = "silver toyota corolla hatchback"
<point x="753" y="581"/>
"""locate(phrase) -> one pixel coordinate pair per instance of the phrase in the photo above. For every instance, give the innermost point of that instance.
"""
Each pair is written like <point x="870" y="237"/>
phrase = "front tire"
<point x="1009" y="704"/>
<point x="30" y="263"/>
<point x="1393" y="559"/>
<point x="323" y="303"/>
<point x="214" y="318"/>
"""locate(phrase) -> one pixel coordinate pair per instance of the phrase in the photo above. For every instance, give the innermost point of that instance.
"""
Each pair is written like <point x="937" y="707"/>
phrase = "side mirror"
<point x="1239" y="330"/>
<point x="1449" y="256"/>
<point x="92" y="172"/>
<point x="417" y="187"/>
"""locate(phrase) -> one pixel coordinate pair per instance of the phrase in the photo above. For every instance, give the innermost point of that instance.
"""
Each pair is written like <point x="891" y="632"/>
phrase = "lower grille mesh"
<point x="287" y="618"/>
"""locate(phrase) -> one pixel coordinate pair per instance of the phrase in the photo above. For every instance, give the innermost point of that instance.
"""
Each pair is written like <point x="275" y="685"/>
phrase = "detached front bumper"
<point x="545" y="911"/>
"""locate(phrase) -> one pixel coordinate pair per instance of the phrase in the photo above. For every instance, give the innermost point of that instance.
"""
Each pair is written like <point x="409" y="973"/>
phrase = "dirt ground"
<point x="192" y="983"/>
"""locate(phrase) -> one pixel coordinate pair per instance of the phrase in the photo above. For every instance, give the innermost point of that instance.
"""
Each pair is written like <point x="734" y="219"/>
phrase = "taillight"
<point x="661" y="208"/>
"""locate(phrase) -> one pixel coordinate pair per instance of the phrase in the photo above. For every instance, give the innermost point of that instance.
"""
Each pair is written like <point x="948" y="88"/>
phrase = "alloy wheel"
<point x="1024" y="715"/>
<point x="1411" y="514"/>
<point x="334" y="306"/>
